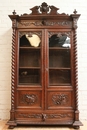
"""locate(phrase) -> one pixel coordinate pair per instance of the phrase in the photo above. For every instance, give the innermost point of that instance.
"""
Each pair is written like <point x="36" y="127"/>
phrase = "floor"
<point x="3" y="126"/>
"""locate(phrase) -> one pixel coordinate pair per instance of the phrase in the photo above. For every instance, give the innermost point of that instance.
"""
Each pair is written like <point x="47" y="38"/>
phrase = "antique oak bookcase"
<point x="44" y="88"/>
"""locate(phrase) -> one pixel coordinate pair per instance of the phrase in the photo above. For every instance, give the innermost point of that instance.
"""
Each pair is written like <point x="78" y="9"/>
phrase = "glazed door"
<point x="58" y="84"/>
<point x="44" y="91"/>
<point x="30" y="89"/>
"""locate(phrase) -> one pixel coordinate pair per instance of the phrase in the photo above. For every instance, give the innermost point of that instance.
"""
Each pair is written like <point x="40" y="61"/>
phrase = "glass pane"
<point x="31" y="40"/>
<point x="30" y="59"/>
<point x="29" y="76"/>
<point x="59" y="40"/>
<point x="59" y="60"/>
<point x="59" y="77"/>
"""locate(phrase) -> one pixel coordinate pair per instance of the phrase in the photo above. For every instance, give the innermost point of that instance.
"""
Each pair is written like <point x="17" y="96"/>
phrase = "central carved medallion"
<point x="29" y="99"/>
<point x="60" y="99"/>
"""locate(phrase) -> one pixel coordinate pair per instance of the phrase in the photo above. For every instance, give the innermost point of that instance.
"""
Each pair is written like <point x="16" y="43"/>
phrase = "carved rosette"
<point x="60" y="99"/>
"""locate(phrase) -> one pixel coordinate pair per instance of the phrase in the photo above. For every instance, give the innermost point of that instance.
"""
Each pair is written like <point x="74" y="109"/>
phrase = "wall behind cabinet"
<point x="23" y="6"/>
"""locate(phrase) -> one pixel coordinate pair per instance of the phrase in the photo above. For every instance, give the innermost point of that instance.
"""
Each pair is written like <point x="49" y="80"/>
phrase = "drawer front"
<point x="29" y="99"/>
<point x="60" y="99"/>
<point x="45" y="116"/>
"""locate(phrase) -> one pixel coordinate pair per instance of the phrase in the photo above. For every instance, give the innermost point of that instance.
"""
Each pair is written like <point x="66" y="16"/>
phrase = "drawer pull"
<point x="43" y="117"/>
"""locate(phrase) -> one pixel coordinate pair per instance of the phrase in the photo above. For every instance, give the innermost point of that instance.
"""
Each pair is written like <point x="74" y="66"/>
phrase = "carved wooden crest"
<point x="44" y="9"/>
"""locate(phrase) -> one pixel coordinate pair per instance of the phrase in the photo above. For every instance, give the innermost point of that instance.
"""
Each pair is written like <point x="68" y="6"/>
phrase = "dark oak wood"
<point x="44" y="86"/>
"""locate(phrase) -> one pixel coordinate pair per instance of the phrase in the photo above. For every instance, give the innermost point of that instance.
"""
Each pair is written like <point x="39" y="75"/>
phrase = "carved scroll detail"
<point x="64" y="115"/>
<point x="60" y="99"/>
<point x="30" y="115"/>
<point x="45" y="23"/>
<point x="29" y="99"/>
<point x="59" y="33"/>
<point x="30" y="34"/>
<point x="47" y="116"/>
<point x="44" y="9"/>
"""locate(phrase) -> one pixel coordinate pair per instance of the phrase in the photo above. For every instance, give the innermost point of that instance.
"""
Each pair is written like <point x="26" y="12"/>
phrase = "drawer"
<point x="45" y="117"/>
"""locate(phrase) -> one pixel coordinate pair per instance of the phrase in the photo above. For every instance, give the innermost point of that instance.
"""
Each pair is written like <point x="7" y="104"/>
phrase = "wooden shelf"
<point x="29" y="67"/>
<point x="60" y="84"/>
<point x="59" y="68"/>
<point x="59" y="48"/>
<point x="31" y="48"/>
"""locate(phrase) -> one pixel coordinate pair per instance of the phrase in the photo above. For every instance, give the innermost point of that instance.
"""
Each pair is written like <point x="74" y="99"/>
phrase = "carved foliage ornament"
<point x="47" y="116"/>
<point x="60" y="99"/>
<point x="44" y="9"/>
<point x="46" y="23"/>
<point x="14" y="23"/>
<point x="59" y="34"/>
<point x="30" y="34"/>
<point x="75" y="22"/>
<point x="29" y="99"/>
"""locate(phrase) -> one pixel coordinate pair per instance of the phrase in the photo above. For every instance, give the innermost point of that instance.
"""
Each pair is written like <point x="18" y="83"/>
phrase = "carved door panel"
<point x="58" y="86"/>
<point x="30" y="90"/>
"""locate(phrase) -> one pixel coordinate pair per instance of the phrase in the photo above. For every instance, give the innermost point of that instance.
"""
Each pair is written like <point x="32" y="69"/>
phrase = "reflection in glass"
<point x="59" y="41"/>
<point x="34" y="40"/>
<point x="31" y="41"/>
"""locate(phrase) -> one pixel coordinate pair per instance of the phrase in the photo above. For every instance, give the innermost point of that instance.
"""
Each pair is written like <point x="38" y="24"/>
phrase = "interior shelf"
<point x="31" y="48"/>
<point x="29" y="75"/>
<point x="59" y="68"/>
<point x="59" y="48"/>
<point x="29" y="67"/>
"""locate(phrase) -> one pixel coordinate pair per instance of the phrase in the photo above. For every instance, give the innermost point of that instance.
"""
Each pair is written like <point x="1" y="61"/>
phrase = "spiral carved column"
<point x="76" y="69"/>
<point x="13" y="69"/>
<point x="13" y="73"/>
<point x="76" y="76"/>
<point x="76" y="123"/>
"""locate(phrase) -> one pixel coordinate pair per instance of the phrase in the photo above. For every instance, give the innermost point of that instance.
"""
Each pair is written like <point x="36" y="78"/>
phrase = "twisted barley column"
<point x="13" y="69"/>
<point x="76" y="69"/>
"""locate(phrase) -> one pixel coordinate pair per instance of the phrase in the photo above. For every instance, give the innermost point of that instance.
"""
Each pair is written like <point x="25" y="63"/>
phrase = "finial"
<point x="75" y="12"/>
<point x="14" y="12"/>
